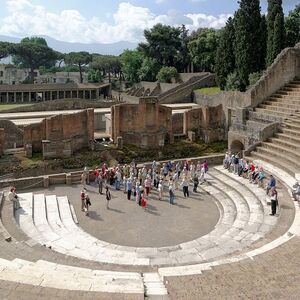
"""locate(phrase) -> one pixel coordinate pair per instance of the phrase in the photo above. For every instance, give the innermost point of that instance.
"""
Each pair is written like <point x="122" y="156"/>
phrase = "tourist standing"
<point x="100" y="183"/>
<point x="82" y="198"/>
<point x="160" y="190"/>
<point x="108" y="196"/>
<point x="274" y="201"/>
<point x="86" y="174"/>
<point x="12" y="196"/>
<point x="96" y="174"/>
<point x="118" y="178"/>
<point x="129" y="189"/>
<point x="143" y="202"/>
<point x="185" y="186"/>
<point x="271" y="184"/>
<point x="87" y="203"/>
<point x="147" y="185"/>
<point x="171" y="193"/>
<point x="196" y="183"/>
<point x="202" y="174"/>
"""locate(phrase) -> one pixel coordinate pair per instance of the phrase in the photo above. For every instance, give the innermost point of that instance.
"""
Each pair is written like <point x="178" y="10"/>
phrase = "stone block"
<point x="46" y="181"/>
<point x="69" y="178"/>
<point x="192" y="136"/>
<point x="119" y="142"/>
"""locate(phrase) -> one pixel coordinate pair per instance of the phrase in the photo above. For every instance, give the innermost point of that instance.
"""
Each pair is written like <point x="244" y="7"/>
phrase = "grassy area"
<point x="11" y="106"/>
<point x="209" y="91"/>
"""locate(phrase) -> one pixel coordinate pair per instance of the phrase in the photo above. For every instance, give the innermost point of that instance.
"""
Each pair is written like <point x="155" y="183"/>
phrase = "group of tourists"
<point x="138" y="182"/>
<point x="255" y="174"/>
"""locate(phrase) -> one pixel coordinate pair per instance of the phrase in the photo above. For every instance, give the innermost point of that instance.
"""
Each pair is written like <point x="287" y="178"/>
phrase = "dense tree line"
<point x="249" y="42"/>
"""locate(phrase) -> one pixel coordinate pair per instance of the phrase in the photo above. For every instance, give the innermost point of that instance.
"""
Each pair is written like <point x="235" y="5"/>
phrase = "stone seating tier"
<point x="243" y="213"/>
<point x="244" y="220"/>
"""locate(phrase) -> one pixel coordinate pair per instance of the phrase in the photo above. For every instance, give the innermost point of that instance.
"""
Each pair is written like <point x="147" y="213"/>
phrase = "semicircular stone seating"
<point x="244" y="219"/>
<point x="48" y="220"/>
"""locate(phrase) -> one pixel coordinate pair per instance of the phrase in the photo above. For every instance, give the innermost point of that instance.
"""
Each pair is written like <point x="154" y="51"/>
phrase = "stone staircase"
<point x="282" y="104"/>
<point x="283" y="149"/>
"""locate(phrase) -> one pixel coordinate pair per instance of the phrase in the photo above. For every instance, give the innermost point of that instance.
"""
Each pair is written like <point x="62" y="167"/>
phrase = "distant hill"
<point x="66" y="47"/>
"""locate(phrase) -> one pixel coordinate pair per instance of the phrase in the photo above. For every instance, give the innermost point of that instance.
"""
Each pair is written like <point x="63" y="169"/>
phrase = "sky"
<point x="110" y="21"/>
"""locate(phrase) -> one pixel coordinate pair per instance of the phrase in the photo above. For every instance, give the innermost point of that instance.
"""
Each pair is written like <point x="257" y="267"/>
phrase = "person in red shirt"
<point x="144" y="202"/>
<point x="97" y="173"/>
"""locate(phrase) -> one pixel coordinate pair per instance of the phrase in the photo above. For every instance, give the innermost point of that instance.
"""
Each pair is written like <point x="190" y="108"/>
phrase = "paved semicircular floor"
<point x="127" y="224"/>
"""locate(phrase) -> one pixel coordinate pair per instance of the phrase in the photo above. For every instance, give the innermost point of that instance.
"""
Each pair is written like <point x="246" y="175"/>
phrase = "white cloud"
<point x="202" y="20"/>
<point x="129" y="21"/>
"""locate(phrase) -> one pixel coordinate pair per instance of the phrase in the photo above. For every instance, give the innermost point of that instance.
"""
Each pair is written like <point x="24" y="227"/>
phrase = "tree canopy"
<point x="292" y="27"/>
<point x="80" y="59"/>
<point x="33" y="53"/>
<point x="275" y="29"/>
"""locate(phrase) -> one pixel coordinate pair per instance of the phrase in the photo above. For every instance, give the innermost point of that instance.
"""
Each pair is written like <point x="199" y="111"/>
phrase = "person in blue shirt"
<point x="271" y="183"/>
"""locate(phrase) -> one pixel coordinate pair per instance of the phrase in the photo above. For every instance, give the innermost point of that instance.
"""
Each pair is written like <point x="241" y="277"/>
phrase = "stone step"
<point x="288" y="137"/>
<point x="268" y="117"/>
<point x="256" y="204"/>
<point x="285" y="143"/>
<point x="40" y="219"/>
<point x="284" y="98"/>
<point x="293" y="120"/>
<point x="283" y="164"/>
<point x="292" y="125"/>
<point x="57" y="276"/>
<point x="24" y="218"/>
<point x="289" y="91"/>
<point x="278" y="108"/>
<point x="153" y="284"/>
<point x="272" y="112"/>
<point x="282" y="104"/>
<point x="282" y="149"/>
<point x="284" y="156"/>
<point x="287" y="131"/>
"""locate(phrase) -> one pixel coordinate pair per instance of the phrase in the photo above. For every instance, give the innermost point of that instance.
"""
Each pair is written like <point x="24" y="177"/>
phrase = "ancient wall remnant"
<point x="208" y="123"/>
<point x="146" y="125"/>
<point x="61" y="135"/>
<point x="13" y="136"/>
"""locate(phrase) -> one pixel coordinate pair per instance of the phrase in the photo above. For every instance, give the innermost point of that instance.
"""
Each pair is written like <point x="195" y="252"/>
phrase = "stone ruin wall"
<point x="61" y="135"/>
<point x="13" y="136"/>
<point x="144" y="125"/>
<point x="206" y="122"/>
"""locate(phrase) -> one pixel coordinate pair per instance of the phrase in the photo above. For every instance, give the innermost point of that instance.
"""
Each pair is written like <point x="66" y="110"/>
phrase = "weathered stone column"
<point x="7" y="97"/>
<point x="15" y="97"/>
<point x="64" y="94"/>
<point x="29" y="96"/>
<point x="22" y="97"/>
<point x="90" y="94"/>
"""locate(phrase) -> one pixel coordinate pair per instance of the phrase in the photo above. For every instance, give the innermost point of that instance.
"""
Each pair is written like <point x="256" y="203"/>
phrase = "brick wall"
<point x="144" y="125"/>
